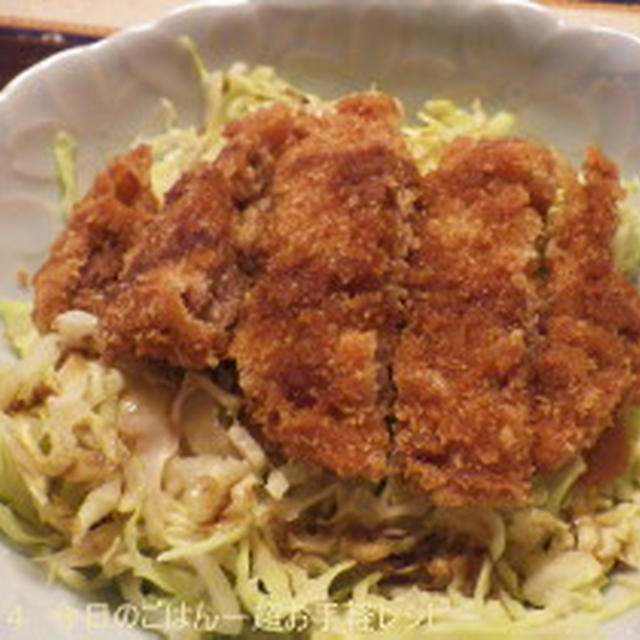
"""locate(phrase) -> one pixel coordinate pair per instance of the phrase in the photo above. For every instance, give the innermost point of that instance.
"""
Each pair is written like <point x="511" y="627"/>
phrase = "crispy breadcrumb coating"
<point x="181" y="287"/>
<point x="465" y="330"/>
<point x="316" y="336"/>
<point x="587" y="362"/>
<point x="86" y="260"/>
<point x="461" y="366"/>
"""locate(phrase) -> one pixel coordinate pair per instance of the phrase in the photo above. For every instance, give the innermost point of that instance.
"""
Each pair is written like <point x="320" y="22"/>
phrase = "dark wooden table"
<point x="22" y="47"/>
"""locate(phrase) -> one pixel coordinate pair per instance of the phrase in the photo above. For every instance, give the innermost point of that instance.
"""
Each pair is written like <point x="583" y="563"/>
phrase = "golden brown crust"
<point x="167" y="288"/>
<point x="514" y="361"/>
<point x="314" y="341"/>
<point x="85" y="263"/>
<point x="461" y="367"/>
<point x="181" y="288"/>
<point x="447" y="327"/>
<point x="587" y="364"/>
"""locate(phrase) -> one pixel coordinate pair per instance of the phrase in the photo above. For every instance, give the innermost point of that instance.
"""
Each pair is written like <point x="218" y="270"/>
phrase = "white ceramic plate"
<point x="569" y="86"/>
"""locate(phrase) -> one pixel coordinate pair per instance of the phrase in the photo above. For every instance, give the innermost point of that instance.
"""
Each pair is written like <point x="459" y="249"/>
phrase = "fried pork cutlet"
<point x="181" y="287"/>
<point x="84" y="267"/>
<point x="461" y="368"/>
<point x="316" y="336"/>
<point x="166" y="284"/>
<point x="183" y="284"/>
<point x="587" y="363"/>
<point x="461" y="329"/>
<point x="522" y="343"/>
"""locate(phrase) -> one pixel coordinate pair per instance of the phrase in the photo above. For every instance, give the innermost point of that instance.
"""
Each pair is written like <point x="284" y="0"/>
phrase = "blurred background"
<point x="31" y="30"/>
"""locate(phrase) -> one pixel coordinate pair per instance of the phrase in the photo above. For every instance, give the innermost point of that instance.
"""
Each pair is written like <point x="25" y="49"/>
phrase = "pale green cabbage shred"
<point x="64" y="151"/>
<point x="123" y="477"/>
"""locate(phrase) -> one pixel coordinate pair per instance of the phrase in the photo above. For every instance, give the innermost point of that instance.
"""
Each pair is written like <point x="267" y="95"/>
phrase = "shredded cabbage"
<point x="627" y="238"/>
<point x="64" y="150"/>
<point x="19" y="330"/>
<point x="227" y="96"/>
<point x="151" y="483"/>
<point x="442" y="121"/>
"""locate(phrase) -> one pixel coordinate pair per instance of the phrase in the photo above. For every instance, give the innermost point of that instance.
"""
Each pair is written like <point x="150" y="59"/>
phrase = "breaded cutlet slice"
<point x="86" y="260"/>
<point x="463" y="429"/>
<point x="586" y="366"/>
<point x="315" y="337"/>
